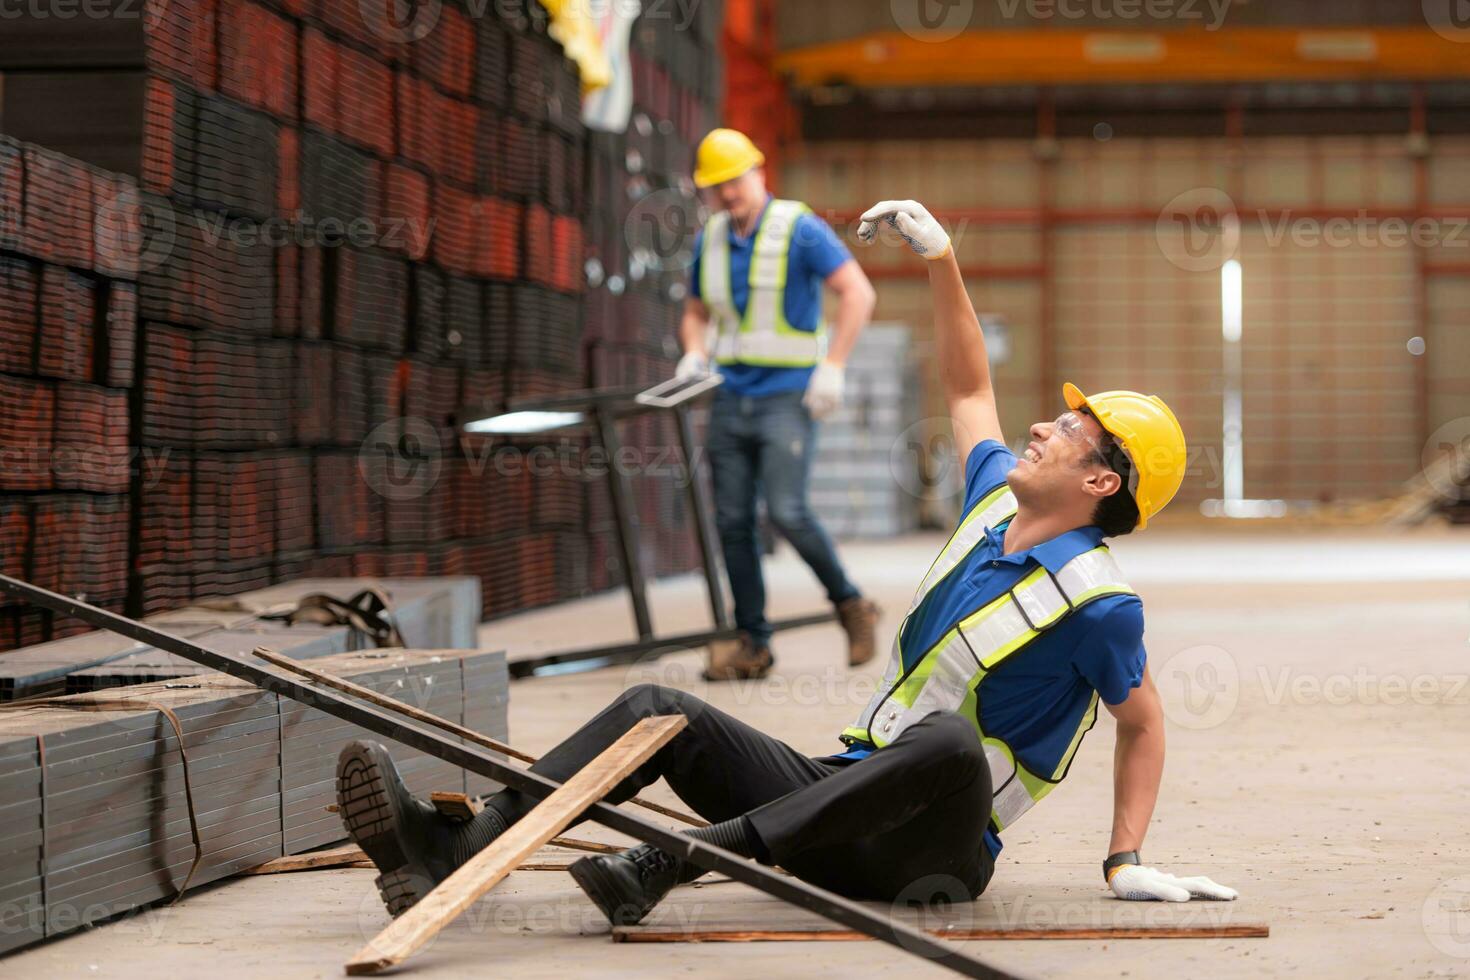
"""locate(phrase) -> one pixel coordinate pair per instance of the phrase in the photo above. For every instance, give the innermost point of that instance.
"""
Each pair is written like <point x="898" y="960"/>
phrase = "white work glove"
<point x="691" y="365"/>
<point x="824" y="390"/>
<point x="912" y="221"/>
<point x="1136" y="883"/>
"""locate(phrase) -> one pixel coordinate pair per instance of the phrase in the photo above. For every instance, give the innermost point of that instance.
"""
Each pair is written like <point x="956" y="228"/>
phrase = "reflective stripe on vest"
<point x="762" y="336"/>
<point x="949" y="675"/>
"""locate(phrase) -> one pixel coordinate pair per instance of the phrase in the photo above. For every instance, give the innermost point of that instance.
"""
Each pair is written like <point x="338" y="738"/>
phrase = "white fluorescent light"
<point x="522" y="423"/>
<point x="1231" y="301"/>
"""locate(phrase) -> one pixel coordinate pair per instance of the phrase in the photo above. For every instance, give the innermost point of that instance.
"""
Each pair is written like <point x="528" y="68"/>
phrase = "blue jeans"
<point x="766" y="445"/>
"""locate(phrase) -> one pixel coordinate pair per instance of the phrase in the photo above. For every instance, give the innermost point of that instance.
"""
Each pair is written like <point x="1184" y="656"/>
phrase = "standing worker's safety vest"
<point x="762" y="336"/>
<point x="950" y="674"/>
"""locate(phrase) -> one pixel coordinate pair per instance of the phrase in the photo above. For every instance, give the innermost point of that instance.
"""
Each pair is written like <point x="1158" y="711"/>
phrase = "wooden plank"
<point x="1244" y="930"/>
<point x="482" y="872"/>
<point x="336" y="857"/>
<point x="455" y="806"/>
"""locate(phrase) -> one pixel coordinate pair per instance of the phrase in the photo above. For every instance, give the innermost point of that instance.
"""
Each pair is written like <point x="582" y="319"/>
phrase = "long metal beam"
<point x="396" y="727"/>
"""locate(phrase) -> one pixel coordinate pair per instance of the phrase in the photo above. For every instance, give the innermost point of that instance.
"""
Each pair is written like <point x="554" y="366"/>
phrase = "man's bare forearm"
<point x="693" y="327"/>
<point x="964" y="367"/>
<point x="1138" y="768"/>
<point x="856" y="299"/>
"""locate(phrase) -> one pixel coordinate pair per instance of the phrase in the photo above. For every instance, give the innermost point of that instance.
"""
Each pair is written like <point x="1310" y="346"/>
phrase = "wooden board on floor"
<point x="459" y="891"/>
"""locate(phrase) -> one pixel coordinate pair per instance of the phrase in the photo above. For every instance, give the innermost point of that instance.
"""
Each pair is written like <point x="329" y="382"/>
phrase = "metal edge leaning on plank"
<point x="410" y="931"/>
<point x="481" y="761"/>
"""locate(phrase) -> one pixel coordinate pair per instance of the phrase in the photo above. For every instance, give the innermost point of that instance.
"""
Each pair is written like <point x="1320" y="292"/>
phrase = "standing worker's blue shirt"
<point x="1033" y="701"/>
<point x="816" y="253"/>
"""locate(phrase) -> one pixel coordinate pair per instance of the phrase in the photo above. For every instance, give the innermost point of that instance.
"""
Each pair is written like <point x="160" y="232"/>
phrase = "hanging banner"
<point x="611" y="21"/>
<point x="574" y="23"/>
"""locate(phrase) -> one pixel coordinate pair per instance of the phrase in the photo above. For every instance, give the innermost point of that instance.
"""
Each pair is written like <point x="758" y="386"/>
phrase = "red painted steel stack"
<point x="339" y="236"/>
<point x="68" y="304"/>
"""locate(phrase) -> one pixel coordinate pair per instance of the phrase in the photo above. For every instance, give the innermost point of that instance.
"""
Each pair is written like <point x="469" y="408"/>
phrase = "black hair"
<point x="1117" y="513"/>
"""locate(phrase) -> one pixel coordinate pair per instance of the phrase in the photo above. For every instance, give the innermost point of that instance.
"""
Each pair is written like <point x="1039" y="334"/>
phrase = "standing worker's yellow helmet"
<point x="1149" y="434"/>
<point x="724" y="155"/>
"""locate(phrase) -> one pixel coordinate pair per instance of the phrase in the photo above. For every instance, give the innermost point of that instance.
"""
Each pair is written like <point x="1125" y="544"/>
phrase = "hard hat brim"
<point x="704" y="180"/>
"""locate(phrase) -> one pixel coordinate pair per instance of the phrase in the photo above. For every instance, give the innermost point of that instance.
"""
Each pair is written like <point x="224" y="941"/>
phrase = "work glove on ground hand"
<point x="691" y="365"/>
<point x="824" y="390"/>
<point x="1134" y="882"/>
<point x="914" y="224"/>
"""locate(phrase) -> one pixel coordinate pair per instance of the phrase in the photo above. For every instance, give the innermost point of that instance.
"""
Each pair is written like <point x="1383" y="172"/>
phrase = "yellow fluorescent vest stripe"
<point x="998" y="630"/>
<point x="761" y="335"/>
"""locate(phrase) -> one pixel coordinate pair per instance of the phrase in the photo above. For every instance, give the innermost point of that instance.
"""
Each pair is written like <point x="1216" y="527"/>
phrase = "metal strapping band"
<point x="74" y="703"/>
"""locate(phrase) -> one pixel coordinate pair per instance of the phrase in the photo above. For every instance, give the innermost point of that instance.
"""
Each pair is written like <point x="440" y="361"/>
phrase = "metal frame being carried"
<point x="478" y="760"/>
<point x="604" y="408"/>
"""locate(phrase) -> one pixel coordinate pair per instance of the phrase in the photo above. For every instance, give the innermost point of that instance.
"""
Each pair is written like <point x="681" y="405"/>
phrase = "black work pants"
<point x="906" y="822"/>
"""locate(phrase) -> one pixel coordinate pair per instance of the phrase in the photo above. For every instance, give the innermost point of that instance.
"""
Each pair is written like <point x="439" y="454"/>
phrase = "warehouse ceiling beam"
<point x="1060" y="57"/>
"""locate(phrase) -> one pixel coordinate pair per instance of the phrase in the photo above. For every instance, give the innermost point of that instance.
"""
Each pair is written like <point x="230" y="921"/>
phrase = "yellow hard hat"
<point x="1149" y="434"/>
<point x="724" y="155"/>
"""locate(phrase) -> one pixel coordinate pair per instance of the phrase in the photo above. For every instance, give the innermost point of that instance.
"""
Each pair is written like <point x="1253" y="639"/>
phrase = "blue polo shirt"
<point x="1034" y="700"/>
<point x="816" y="253"/>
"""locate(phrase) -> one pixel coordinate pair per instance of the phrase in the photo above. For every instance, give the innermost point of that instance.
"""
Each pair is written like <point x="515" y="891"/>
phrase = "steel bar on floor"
<point x="590" y="658"/>
<point x="395" y="727"/>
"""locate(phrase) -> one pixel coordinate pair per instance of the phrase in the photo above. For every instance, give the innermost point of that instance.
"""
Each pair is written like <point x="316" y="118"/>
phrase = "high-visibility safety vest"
<point x="950" y="676"/>
<point x="762" y="336"/>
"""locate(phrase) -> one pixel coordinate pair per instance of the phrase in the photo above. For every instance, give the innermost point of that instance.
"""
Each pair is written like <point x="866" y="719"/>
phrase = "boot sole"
<point x="368" y="815"/>
<point x="603" y="892"/>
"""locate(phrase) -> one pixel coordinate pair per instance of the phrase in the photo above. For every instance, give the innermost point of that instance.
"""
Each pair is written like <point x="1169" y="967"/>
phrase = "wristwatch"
<point x="1121" y="859"/>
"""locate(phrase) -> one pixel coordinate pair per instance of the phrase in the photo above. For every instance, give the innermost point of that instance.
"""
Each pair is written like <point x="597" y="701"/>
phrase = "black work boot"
<point x="414" y="845"/>
<point x="627" y="886"/>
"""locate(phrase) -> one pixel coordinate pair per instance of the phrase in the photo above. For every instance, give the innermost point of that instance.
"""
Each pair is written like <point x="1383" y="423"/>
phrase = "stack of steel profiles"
<point x="371" y="299"/>
<point x="22" y="911"/>
<point x="441" y="612"/>
<point x="41" y="670"/>
<point x="19" y="282"/>
<point x="311" y="740"/>
<point x="106" y="828"/>
<point x="117" y="828"/>
<point x="68" y="313"/>
<point x="306" y="642"/>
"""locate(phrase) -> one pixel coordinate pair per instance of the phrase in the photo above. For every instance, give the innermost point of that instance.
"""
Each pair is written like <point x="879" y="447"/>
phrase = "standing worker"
<point x="756" y="293"/>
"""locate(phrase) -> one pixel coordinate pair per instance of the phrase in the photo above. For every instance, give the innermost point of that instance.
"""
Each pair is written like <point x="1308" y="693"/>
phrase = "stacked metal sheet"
<point x="94" y="819"/>
<point x="430" y="613"/>
<point x="864" y="481"/>
<point x="296" y="642"/>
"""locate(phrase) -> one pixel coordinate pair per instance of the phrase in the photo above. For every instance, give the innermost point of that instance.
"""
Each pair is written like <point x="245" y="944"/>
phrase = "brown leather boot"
<point x="859" y="618"/>
<point x="738" y="661"/>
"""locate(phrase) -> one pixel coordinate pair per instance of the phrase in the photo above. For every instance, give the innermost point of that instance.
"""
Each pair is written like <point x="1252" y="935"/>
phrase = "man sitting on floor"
<point x="1022" y="624"/>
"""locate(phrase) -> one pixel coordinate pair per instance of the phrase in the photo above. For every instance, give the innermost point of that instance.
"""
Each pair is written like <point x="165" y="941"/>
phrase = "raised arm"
<point x="964" y="367"/>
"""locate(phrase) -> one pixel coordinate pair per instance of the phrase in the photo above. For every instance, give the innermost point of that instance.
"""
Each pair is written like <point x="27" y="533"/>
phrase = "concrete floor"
<point x="1316" y="688"/>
